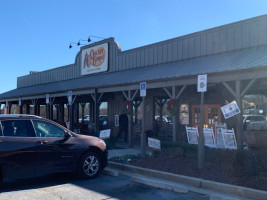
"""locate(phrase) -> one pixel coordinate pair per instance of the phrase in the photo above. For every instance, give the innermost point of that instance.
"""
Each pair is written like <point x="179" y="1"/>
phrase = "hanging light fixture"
<point x="88" y="40"/>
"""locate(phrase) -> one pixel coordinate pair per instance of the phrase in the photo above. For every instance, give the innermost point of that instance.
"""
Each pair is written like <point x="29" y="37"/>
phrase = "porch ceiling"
<point x="225" y="63"/>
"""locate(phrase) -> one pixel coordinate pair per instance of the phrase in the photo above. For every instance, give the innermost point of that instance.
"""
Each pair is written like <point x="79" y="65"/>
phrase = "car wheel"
<point x="90" y="165"/>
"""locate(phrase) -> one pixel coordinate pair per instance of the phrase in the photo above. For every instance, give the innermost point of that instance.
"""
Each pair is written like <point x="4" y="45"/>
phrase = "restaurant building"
<point x="234" y="57"/>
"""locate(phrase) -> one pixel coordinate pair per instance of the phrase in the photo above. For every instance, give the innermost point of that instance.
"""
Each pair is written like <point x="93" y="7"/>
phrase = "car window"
<point x="46" y="129"/>
<point x="17" y="128"/>
<point x="1" y="130"/>
<point x="259" y="118"/>
<point x="249" y="118"/>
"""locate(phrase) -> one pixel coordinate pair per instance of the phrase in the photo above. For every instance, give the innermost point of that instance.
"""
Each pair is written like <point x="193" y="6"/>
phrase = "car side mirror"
<point x="67" y="135"/>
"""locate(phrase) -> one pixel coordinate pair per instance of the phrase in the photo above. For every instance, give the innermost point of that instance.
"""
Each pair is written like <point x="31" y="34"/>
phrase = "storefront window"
<point x="254" y="112"/>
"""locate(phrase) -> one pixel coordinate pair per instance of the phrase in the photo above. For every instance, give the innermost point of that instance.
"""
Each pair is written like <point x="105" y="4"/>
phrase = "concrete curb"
<point x="160" y="184"/>
<point x="194" y="184"/>
<point x="109" y="171"/>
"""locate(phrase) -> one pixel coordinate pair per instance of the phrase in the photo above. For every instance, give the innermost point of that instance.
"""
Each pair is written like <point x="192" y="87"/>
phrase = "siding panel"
<point x="175" y="51"/>
<point x="165" y="53"/>
<point x="170" y="53"/>
<point x="216" y="42"/>
<point x="114" y="55"/>
<point x="185" y="48"/>
<point x="238" y="37"/>
<point x="127" y="61"/>
<point x="151" y="56"/>
<point x="209" y="43"/>
<point x="254" y="30"/>
<point x="223" y="39"/>
<point x="160" y="54"/>
<point x="138" y="58"/>
<point x="230" y="39"/>
<point x="262" y="32"/>
<point x="191" y="47"/>
<point x="142" y="57"/>
<point x="117" y="62"/>
<point x="203" y="45"/>
<point x="245" y="35"/>
<point x="147" y="55"/>
<point x="197" y="46"/>
<point x="134" y="59"/>
<point x="155" y="59"/>
<point x="131" y="60"/>
<point x="180" y="50"/>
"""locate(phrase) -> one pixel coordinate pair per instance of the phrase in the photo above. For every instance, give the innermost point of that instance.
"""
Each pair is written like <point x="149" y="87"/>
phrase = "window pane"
<point x="46" y="129"/>
<point x="1" y="132"/>
<point x="16" y="128"/>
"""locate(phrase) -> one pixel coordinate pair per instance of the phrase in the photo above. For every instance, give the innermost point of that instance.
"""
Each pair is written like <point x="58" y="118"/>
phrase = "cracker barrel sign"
<point x="95" y="59"/>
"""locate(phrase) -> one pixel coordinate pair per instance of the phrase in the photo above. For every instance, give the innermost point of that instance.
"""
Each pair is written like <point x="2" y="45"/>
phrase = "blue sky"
<point x="35" y="34"/>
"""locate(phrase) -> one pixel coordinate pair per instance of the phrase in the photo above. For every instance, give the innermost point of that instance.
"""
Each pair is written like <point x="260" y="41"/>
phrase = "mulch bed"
<point x="213" y="172"/>
<point x="218" y="171"/>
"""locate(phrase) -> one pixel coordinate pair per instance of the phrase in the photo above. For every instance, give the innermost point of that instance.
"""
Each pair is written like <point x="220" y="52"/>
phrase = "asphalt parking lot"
<point x="68" y="187"/>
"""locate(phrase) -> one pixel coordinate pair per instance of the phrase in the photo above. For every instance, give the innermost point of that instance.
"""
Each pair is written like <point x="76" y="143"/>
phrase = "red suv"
<point x="31" y="145"/>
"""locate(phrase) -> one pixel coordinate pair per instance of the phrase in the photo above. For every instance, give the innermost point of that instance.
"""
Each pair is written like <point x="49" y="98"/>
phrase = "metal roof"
<point x="224" y="62"/>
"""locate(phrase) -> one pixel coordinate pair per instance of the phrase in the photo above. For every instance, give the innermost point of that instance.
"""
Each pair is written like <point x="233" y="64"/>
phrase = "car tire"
<point x="89" y="166"/>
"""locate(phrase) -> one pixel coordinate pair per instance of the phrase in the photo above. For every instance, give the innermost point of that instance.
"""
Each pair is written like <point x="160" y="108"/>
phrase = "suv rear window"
<point x="17" y="128"/>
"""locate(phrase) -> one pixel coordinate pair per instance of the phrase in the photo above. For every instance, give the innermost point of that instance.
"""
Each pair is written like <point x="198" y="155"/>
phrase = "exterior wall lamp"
<point x="88" y="40"/>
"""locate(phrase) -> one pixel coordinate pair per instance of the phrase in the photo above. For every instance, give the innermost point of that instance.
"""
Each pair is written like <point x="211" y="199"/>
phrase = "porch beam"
<point x="251" y="82"/>
<point x="125" y="95"/>
<point x="180" y="92"/>
<point x="134" y="95"/>
<point x="228" y="87"/>
<point x="168" y="93"/>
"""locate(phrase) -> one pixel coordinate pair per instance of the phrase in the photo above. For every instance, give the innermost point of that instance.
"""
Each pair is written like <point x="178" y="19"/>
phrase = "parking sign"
<point x="202" y="83"/>
<point x="47" y="98"/>
<point x="70" y="97"/>
<point x="143" y="89"/>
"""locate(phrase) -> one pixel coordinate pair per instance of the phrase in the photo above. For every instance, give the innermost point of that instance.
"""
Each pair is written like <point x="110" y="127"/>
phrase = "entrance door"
<point x="212" y="114"/>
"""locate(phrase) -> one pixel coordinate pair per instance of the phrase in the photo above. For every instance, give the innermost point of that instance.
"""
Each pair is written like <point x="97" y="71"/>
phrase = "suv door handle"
<point x="43" y="142"/>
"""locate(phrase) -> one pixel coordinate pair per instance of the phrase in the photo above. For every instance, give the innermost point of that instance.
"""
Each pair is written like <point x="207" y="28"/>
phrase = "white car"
<point x="254" y="122"/>
<point x="86" y="119"/>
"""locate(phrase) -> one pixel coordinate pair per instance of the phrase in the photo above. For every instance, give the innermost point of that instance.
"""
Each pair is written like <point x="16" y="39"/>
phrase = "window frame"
<point x="52" y="124"/>
<point x="30" y="130"/>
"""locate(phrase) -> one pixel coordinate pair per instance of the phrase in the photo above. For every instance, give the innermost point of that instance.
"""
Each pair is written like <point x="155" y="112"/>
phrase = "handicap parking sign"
<point x="143" y="89"/>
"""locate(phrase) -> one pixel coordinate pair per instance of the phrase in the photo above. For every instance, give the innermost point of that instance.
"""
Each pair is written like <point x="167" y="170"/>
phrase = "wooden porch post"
<point x="130" y="98"/>
<point x="238" y="94"/>
<point x="174" y="96"/>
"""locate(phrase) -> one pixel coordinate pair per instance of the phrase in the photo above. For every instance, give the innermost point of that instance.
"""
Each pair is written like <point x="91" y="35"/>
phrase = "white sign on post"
<point x="153" y="143"/>
<point x="117" y="120"/>
<point x="202" y="83"/>
<point x="230" y="110"/>
<point x="47" y="99"/>
<point x="104" y="134"/>
<point x="143" y="89"/>
<point x="19" y="101"/>
<point x="70" y="97"/>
